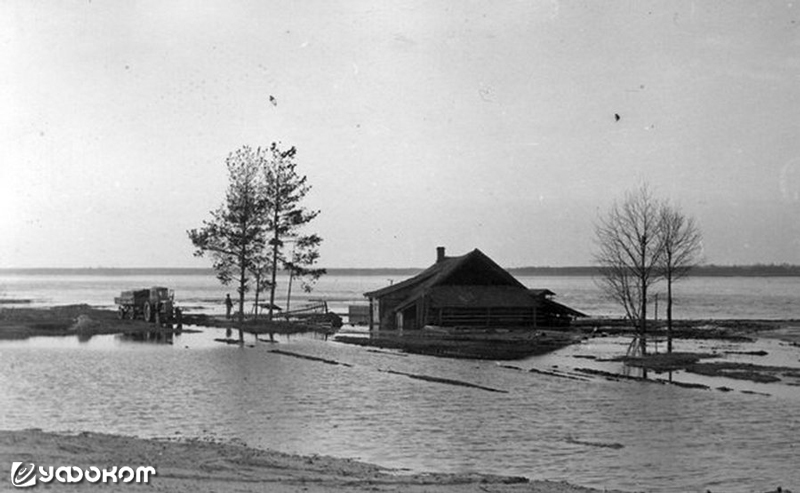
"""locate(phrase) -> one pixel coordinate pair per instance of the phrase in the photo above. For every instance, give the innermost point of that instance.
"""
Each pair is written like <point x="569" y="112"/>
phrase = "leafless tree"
<point x="682" y="249"/>
<point x="630" y="249"/>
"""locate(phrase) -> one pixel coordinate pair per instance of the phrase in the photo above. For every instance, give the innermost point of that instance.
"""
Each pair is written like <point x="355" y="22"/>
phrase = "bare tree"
<point x="630" y="248"/>
<point x="682" y="249"/>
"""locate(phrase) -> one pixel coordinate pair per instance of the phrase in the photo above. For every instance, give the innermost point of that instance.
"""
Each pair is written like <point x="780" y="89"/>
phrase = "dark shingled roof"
<point x="557" y="307"/>
<point x="475" y="296"/>
<point x="439" y="271"/>
<point x="499" y="287"/>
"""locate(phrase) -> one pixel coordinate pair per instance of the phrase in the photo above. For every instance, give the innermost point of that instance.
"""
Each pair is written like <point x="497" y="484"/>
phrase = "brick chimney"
<point x="439" y="254"/>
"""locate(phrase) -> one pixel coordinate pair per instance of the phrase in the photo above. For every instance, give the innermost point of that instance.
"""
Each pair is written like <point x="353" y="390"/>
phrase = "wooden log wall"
<point x="483" y="316"/>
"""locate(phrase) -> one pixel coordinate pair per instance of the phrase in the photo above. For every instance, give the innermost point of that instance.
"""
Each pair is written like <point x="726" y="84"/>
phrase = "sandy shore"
<point x="198" y="466"/>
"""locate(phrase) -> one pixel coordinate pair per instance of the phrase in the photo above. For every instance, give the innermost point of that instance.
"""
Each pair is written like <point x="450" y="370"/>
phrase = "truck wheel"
<point x="121" y="313"/>
<point x="148" y="312"/>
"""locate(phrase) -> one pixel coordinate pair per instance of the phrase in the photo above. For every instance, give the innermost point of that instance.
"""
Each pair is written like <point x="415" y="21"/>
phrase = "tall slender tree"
<point x="285" y="190"/>
<point x="682" y="243"/>
<point x="629" y="251"/>
<point x="234" y="236"/>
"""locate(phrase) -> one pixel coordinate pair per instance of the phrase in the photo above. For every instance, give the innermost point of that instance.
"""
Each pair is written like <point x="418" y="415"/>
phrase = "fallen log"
<point x="310" y="358"/>
<point x="444" y="380"/>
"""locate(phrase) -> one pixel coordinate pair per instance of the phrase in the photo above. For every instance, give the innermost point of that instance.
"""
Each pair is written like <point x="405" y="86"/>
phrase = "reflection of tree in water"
<point x="634" y="351"/>
<point x="84" y="337"/>
<point x="634" y="371"/>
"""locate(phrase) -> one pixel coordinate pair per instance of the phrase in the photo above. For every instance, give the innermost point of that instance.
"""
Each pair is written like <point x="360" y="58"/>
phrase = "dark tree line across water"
<point x="711" y="270"/>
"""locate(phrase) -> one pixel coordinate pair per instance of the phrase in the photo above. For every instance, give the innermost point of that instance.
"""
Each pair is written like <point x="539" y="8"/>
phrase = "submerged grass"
<point x="662" y="362"/>
<point x="691" y="362"/>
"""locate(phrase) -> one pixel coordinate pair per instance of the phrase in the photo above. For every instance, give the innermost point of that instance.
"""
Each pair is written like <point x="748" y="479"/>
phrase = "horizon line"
<point x="410" y="268"/>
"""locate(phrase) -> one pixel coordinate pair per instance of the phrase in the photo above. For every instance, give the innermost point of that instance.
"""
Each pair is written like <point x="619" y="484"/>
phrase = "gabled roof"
<point x="441" y="271"/>
<point x="478" y="296"/>
<point x="557" y="307"/>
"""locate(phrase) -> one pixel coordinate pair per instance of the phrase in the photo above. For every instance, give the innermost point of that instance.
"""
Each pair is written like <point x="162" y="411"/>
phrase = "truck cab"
<point x="160" y="305"/>
<point x="155" y="304"/>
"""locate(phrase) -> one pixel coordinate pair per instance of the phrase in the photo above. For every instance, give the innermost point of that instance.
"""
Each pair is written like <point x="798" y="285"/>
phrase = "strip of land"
<point x="691" y="362"/>
<point x="80" y="320"/>
<point x="197" y="466"/>
<point x="85" y="320"/>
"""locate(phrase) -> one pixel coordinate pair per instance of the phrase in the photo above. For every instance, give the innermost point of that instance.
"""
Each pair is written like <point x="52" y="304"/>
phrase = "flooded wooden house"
<point x="468" y="291"/>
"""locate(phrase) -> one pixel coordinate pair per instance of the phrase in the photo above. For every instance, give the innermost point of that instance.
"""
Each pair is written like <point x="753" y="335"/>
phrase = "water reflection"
<point x="152" y="336"/>
<point x="634" y="372"/>
<point x="84" y="337"/>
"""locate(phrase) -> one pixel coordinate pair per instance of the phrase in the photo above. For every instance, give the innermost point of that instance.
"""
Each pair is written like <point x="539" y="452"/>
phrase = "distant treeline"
<point x="763" y="270"/>
<point x="183" y="271"/>
<point x="109" y="271"/>
<point x="758" y="270"/>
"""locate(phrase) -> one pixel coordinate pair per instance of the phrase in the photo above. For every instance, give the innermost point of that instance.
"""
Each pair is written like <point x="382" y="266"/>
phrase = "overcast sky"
<point x="469" y="125"/>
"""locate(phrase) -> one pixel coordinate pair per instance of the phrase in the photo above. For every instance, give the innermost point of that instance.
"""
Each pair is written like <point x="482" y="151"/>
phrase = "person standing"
<point x="228" y="305"/>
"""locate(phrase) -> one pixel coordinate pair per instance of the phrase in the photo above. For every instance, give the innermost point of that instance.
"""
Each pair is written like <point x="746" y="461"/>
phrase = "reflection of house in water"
<point x="467" y="291"/>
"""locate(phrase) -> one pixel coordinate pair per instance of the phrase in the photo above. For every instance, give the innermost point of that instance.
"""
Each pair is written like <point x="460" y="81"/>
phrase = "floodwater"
<point x="593" y="432"/>
<point x="586" y="430"/>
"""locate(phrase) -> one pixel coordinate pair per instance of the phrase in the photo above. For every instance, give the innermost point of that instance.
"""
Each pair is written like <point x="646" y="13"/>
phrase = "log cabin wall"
<point x="482" y="316"/>
<point x="466" y="291"/>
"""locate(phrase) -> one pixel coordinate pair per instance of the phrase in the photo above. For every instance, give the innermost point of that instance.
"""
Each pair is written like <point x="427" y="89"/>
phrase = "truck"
<point x="155" y="304"/>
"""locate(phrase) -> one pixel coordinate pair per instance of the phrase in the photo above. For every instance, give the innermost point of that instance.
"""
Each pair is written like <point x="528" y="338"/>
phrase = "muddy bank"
<point x="693" y="363"/>
<point x="261" y="325"/>
<point x="22" y="322"/>
<point x="86" y="321"/>
<point x="78" y="320"/>
<point x="512" y="345"/>
<point x="726" y="330"/>
<point x="197" y="466"/>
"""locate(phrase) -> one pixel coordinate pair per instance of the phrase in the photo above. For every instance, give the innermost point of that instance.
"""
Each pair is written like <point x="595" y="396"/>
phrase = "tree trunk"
<point x="669" y="312"/>
<point x="643" y="279"/>
<point x="643" y="320"/>
<point x="242" y="281"/>
<point x="274" y="274"/>
<point x="275" y="240"/>
<point x="258" y="291"/>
